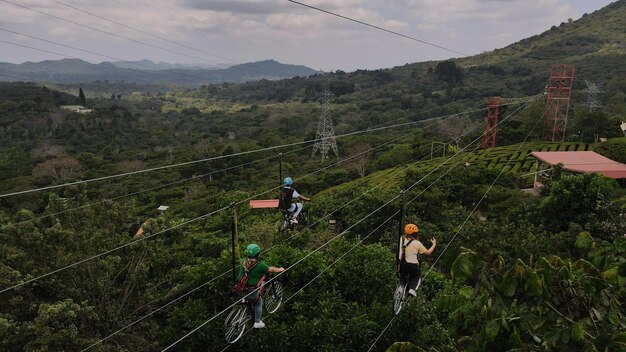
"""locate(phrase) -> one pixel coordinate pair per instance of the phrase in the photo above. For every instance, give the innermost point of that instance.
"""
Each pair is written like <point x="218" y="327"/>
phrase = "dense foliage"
<point x="519" y="272"/>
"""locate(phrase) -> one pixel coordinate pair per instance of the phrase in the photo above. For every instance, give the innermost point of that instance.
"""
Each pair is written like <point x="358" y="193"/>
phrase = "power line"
<point x="117" y="35"/>
<point x="163" y="38"/>
<point x="33" y="48"/>
<point x="191" y="79"/>
<point x="376" y="27"/>
<point x="142" y="31"/>
<point x="222" y="156"/>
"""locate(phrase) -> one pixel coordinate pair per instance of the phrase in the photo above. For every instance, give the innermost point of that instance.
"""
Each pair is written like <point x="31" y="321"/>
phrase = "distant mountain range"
<point x="147" y="72"/>
<point x="148" y="65"/>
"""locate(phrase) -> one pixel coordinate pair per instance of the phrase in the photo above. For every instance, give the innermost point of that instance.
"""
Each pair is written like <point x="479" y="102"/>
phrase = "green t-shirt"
<point x="255" y="274"/>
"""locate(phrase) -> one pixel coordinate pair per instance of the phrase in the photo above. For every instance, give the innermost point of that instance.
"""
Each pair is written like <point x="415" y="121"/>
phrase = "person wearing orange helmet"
<point x="410" y="249"/>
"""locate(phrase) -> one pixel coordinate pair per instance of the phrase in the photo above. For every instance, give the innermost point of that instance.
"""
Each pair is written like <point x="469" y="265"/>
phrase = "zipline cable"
<point x="282" y="273"/>
<point x="369" y="130"/>
<point x="461" y="226"/>
<point x="171" y="228"/>
<point x="359" y="242"/>
<point x="266" y="250"/>
<point x="377" y="27"/>
<point x="505" y="121"/>
<point x="192" y="178"/>
<point x="314" y="251"/>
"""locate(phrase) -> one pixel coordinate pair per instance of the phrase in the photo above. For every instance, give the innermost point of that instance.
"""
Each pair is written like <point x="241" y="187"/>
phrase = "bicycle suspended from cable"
<point x="250" y="284"/>
<point x="293" y="215"/>
<point x="241" y="315"/>
<point x="408" y="267"/>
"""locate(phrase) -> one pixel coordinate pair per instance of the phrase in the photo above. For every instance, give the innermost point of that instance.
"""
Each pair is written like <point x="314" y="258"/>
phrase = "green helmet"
<point x="252" y="250"/>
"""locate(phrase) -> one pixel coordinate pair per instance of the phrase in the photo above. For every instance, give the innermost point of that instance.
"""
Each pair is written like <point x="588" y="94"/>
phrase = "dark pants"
<point x="414" y="271"/>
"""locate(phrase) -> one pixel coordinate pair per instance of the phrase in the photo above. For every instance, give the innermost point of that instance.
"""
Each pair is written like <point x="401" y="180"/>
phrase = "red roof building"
<point x="583" y="162"/>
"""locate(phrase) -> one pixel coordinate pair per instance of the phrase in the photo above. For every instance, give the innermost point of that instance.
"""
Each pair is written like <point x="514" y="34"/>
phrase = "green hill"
<point x="596" y="44"/>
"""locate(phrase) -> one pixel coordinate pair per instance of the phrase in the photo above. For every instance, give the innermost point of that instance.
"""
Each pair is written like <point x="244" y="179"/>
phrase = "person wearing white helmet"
<point x="288" y="200"/>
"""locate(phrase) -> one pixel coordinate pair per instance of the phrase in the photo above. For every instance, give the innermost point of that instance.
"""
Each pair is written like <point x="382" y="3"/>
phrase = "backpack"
<point x="240" y="285"/>
<point x="286" y="196"/>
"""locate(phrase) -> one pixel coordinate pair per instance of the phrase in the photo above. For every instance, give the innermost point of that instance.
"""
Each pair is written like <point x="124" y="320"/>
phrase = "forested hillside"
<point x="87" y="262"/>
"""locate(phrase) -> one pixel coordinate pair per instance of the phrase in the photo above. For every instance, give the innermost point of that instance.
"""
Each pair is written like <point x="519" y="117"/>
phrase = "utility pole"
<point x="325" y="136"/>
<point x="233" y="230"/>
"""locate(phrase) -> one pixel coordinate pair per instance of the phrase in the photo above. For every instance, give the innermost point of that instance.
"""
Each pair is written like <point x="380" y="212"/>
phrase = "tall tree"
<point x="81" y="96"/>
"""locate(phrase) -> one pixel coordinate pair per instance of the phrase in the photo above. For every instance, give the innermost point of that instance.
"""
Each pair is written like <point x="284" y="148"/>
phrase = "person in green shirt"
<point x="257" y="269"/>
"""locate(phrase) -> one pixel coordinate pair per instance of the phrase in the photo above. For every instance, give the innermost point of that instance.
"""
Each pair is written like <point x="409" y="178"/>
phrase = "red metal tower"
<point x="491" y="122"/>
<point x="559" y="90"/>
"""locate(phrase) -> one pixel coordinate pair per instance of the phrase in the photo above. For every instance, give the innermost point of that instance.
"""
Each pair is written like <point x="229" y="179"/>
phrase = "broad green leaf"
<point x="509" y="286"/>
<point x="622" y="270"/>
<point x="597" y="313"/>
<point x="533" y="285"/>
<point x="492" y="329"/>
<point x="466" y="292"/>
<point x="584" y="241"/>
<point x="611" y="275"/>
<point x="462" y="267"/>
<point x="586" y="267"/>
<point x="613" y="318"/>
<point x="514" y="339"/>
<point x="578" y="332"/>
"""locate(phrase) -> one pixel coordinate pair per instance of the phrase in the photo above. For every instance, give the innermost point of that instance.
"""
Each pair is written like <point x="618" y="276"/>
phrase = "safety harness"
<point x="240" y="286"/>
<point x="402" y="255"/>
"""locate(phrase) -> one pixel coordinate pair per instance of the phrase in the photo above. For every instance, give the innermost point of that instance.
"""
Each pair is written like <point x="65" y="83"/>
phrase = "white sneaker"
<point x="259" y="325"/>
<point x="412" y="292"/>
<point x="294" y="221"/>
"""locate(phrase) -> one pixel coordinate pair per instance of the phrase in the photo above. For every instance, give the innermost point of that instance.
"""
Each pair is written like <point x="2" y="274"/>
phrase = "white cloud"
<point x="246" y="30"/>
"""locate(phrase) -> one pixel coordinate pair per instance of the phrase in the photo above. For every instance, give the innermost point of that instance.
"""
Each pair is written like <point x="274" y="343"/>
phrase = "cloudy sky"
<point x="237" y="31"/>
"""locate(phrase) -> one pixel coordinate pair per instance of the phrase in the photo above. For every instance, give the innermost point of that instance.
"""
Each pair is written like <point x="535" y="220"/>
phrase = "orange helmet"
<point x="411" y="229"/>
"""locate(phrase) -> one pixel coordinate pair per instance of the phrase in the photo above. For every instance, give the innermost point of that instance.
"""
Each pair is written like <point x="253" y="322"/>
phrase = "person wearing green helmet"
<point x="256" y="270"/>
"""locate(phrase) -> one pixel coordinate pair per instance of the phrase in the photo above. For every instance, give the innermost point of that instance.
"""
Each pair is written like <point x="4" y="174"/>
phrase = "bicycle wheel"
<point x="282" y="227"/>
<point x="398" y="298"/>
<point x="273" y="297"/>
<point x="235" y="323"/>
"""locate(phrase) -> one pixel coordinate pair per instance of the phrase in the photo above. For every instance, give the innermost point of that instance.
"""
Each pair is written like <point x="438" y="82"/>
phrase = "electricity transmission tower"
<point x="325" y="137"/>
<point x="593" y="101"/>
